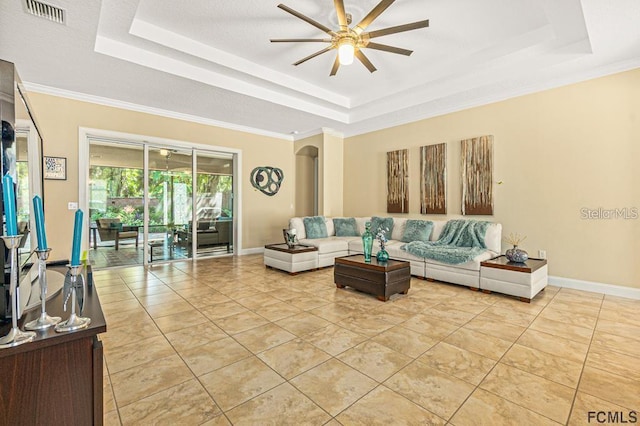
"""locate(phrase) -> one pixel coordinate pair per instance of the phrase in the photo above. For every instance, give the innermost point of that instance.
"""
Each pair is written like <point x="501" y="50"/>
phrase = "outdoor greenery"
<point x="119" y="184"/>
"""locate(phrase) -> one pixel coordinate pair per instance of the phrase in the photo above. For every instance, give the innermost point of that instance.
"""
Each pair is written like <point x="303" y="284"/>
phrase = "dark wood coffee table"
<point x="380" y="279"/>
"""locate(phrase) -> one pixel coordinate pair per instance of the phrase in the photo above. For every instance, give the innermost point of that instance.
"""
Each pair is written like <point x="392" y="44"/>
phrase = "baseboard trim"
<point x="595" y="287"/>
<point x="255" y="250"/>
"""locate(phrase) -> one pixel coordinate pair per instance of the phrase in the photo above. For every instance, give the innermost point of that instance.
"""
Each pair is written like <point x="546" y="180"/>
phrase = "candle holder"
<point x="44" y="321"/>
<point x="15" y="336"/>
<point x="74" y="283"/>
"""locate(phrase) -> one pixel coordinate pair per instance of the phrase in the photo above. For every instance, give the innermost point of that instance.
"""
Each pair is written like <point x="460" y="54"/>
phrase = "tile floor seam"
<point x="584" y="363"/>
<point x="600" y="397"/>
<point x="451" y="301"/>
<point x="494" y="366"/>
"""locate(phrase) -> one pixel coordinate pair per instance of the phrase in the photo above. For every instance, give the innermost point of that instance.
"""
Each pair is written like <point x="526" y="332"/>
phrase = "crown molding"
<point x="435" y="109"/>
<point x="98" y="100"/>
<point x="368" y="125"/>
<point x="332" y="132"/>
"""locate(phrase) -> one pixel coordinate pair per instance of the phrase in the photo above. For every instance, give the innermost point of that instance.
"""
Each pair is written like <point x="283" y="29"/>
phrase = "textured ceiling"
<point x="212" y="61"/>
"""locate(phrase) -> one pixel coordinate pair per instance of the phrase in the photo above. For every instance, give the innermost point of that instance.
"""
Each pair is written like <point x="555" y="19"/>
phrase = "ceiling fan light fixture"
<point x="346" y="51"/>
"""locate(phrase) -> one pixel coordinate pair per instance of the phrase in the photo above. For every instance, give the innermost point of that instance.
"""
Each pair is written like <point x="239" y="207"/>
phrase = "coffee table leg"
<point x="405" y="292"/>
<point x="339" y="285"/>
<point x="382" y="298"/>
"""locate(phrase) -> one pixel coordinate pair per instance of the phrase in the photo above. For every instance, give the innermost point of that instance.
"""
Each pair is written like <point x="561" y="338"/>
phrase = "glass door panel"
<point x="170" y="194"/>
<point x="214" y="204"/>
<point x="116" y="204"/>
<point x="22" y="194"/>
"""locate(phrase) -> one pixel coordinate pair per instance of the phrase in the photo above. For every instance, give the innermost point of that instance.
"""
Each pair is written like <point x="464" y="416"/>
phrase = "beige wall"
<point x="59" y="118"/>
<point x="333" y="174"/>
<point x="556" y="152"/>
<point x="330" y="172"/>
<point x="304" y="185"/>
<point x="302" y="194"/>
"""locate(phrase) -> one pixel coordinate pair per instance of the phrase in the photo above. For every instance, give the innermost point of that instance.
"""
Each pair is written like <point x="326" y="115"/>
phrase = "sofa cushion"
<point x="315" y="227"/>
<point x="331" y="230"/>
<point x="346" y="227"/>
<point x="382" y="222"/>
<point x="493" y="237"/>
<point x="328" y="245"/>
<point x="395" y="252"/>
<point x="297" y="224"/>
<point x="361" y="221"/>
<point x="438" y="226"/>
<point x="398" y="228"/>
<point x="417" y="230"/>
<point x="472" y="265"/>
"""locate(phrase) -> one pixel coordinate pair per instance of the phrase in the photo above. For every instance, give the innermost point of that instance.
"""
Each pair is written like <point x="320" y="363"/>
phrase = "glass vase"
<point x="516" y="255"/>
<point x="367" y="242"/>
<point x="382" y="256"/>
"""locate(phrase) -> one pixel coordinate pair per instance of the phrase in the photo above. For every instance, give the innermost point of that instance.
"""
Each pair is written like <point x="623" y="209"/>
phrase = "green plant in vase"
<point x="381" y="236"/>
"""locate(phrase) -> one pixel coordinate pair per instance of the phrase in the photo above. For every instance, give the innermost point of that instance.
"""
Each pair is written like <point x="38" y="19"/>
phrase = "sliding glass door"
<point x="170" y="189"/>
<point x="142" y="198"/>
<point x="214" y="204"/>
<point x="116" y="203"/>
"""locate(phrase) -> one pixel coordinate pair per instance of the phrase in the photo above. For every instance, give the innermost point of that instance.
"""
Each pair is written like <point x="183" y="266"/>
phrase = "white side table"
<point x="293" y="260"/>
<point x="523" y="280"/>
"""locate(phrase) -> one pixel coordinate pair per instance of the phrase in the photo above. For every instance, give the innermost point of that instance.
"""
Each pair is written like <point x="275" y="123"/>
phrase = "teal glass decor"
<point x="367" y="242"/>
<point x="382" y="256"/>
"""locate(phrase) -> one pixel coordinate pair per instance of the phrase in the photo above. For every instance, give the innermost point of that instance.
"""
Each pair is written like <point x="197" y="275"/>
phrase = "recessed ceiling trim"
<point x="98" y="100"/>
<point x="159" y="62"/>
<point x="153" y="33"/>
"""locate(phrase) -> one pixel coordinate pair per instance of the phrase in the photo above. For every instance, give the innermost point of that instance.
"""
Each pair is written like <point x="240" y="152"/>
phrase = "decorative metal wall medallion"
<point x="267" y="179"/>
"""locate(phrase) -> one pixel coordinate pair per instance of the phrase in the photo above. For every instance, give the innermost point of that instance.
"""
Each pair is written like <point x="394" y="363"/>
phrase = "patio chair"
<point x="112" y="229"/>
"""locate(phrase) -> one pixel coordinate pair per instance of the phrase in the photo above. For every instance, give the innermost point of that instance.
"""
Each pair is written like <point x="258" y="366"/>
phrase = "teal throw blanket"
<point x="460" y="241"/>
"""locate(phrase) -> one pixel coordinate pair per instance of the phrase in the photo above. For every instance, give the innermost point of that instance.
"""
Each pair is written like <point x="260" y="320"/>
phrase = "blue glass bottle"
<point x="367" y="242"/>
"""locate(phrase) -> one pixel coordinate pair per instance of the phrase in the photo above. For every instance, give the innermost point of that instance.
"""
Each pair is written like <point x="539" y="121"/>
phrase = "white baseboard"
<point x="255" y="250"/>
<point x="594" y="287"/>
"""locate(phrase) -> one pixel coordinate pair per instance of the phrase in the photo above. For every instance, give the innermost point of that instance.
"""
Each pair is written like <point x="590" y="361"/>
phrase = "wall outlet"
<point x="542" y="254"/>
<point x="72" y="206"/>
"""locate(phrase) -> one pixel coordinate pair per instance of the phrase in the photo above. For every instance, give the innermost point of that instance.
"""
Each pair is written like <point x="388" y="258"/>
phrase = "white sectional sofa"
<point x="467" y="274"/>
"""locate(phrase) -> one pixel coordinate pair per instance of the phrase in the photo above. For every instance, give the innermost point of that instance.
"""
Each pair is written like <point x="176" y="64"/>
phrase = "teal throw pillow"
<point x="346" y="227"/>
<point x="417" y="230"/>
<point x="378" y="223"/>
<point x="315" y="227"/>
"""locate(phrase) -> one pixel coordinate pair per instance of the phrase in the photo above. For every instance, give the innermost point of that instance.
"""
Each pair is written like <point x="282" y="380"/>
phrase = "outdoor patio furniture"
<point x="112" y="229"/>
<point x="210" y="234"/>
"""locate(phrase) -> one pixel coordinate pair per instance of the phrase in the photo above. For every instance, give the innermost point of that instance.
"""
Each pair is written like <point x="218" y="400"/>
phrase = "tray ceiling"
<point x="213" y="62"/>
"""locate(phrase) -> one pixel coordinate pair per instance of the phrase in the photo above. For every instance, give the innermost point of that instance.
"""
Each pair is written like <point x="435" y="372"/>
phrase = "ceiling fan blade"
<point x="301" y="40"/>
<point x="392" y="49"/>
<point x="398" y="29"/>
<point x="336" y="65"/>
<point x="325" y="50"/>
<point x="365" y="61"/>
<point x="375" y="12"/>
<point x="306" y="19"/>
<point x="342" y="15"/>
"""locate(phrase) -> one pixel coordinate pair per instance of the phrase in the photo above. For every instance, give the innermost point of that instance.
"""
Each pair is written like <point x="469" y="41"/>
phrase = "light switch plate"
<point x="73" y="206"/>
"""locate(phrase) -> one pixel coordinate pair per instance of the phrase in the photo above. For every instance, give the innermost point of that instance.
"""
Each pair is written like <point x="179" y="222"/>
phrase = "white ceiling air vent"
<point x="44" y="10"/>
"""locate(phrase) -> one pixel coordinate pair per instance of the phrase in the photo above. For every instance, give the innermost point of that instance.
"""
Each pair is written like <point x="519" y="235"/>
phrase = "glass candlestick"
<point x="15" y="336"/>
<point x="69" y="291"/>
<point x="44" y="321"/>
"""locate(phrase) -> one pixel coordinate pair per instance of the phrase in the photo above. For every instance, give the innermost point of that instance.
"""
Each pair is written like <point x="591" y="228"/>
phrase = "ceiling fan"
<point x="350" y="41"/>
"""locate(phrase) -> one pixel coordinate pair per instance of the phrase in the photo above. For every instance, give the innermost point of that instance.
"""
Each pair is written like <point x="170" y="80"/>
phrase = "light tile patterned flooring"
<point x="226" y="341"/>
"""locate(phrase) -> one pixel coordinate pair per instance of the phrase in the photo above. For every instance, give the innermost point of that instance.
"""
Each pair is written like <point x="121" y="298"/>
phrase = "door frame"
<point x="86" y="133"/>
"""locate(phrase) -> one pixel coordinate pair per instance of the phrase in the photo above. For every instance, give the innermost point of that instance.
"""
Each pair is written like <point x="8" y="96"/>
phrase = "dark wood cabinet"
<point x="57" y="378"/>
